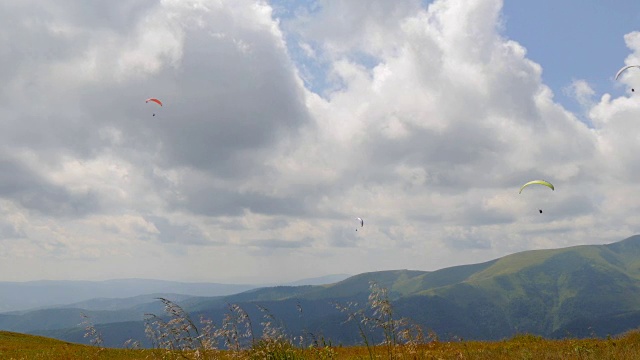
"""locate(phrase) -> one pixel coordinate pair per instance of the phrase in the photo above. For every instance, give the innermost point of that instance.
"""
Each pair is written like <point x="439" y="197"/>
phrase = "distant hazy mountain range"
<point x="576" y="291"/>
<point x="105" y="295"/>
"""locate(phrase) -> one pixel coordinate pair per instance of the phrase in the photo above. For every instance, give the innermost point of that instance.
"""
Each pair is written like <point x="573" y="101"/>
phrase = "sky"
<point x="283" y="121"/>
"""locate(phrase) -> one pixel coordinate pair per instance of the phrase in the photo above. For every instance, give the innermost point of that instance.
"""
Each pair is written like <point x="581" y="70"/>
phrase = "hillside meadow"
<point x="21" y="346"/>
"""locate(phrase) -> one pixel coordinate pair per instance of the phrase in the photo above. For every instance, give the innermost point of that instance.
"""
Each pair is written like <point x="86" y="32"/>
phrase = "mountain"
<point x="137" y="303"/>
<point x="17" y="296"/>
<point x="321" y="280"/>
<point x="118" y="294"/>
<point x="576" y="291"/>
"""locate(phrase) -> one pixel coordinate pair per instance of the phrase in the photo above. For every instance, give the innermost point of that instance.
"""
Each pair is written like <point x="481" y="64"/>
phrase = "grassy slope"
<point x="19" y="346"/>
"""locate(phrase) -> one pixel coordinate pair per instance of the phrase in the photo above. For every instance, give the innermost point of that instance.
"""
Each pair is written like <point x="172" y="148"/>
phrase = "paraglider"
<point x="155" y="101"/>
<point x="625" y="68"/>
<point x="360" y="221"/>
<point x="538" y="182"/>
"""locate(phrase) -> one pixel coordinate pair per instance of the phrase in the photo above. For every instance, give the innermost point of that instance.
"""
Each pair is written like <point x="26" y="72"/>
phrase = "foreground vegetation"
<point x="176" y="336"/>
<point x="20" y="346"/>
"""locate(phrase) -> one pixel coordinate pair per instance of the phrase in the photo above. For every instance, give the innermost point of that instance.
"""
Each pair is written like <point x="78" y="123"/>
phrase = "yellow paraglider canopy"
<point x="539" y="182"/>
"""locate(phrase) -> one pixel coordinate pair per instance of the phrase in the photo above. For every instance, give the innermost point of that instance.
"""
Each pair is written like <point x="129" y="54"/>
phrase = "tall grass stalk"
<point x="236" y="329"/>
<point x="380" y="316"/>
<point x="383" y="317"/>
<point x="178" y="333"/>
<point x="357" y="315"/>
<point x="274" y="344"/>
<point x="90" y="331"/>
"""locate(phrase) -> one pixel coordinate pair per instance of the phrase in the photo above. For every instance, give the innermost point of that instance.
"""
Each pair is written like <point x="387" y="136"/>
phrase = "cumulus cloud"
<point x="428" y="121"/>
<point x="454" y="116"/>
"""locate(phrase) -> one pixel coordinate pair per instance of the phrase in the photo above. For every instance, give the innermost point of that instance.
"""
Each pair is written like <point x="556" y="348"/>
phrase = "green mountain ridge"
<point x="575" y="290"/>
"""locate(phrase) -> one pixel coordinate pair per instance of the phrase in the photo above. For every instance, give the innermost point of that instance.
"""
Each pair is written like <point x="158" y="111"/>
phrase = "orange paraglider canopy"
<point x="155" y="101"/>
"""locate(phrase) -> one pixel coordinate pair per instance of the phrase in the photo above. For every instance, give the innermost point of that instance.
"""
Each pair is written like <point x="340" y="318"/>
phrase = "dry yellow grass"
<point x="520" y="347"/>
<point x="20" y="346"/>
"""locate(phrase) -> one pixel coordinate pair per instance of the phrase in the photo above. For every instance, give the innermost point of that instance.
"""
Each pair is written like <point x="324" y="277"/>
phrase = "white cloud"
<point x="432" y="123"/>
<point x="582" y="92"/>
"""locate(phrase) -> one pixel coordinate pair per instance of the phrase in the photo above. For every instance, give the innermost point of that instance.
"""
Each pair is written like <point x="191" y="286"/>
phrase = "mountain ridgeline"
<point x="578" y="291"/>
